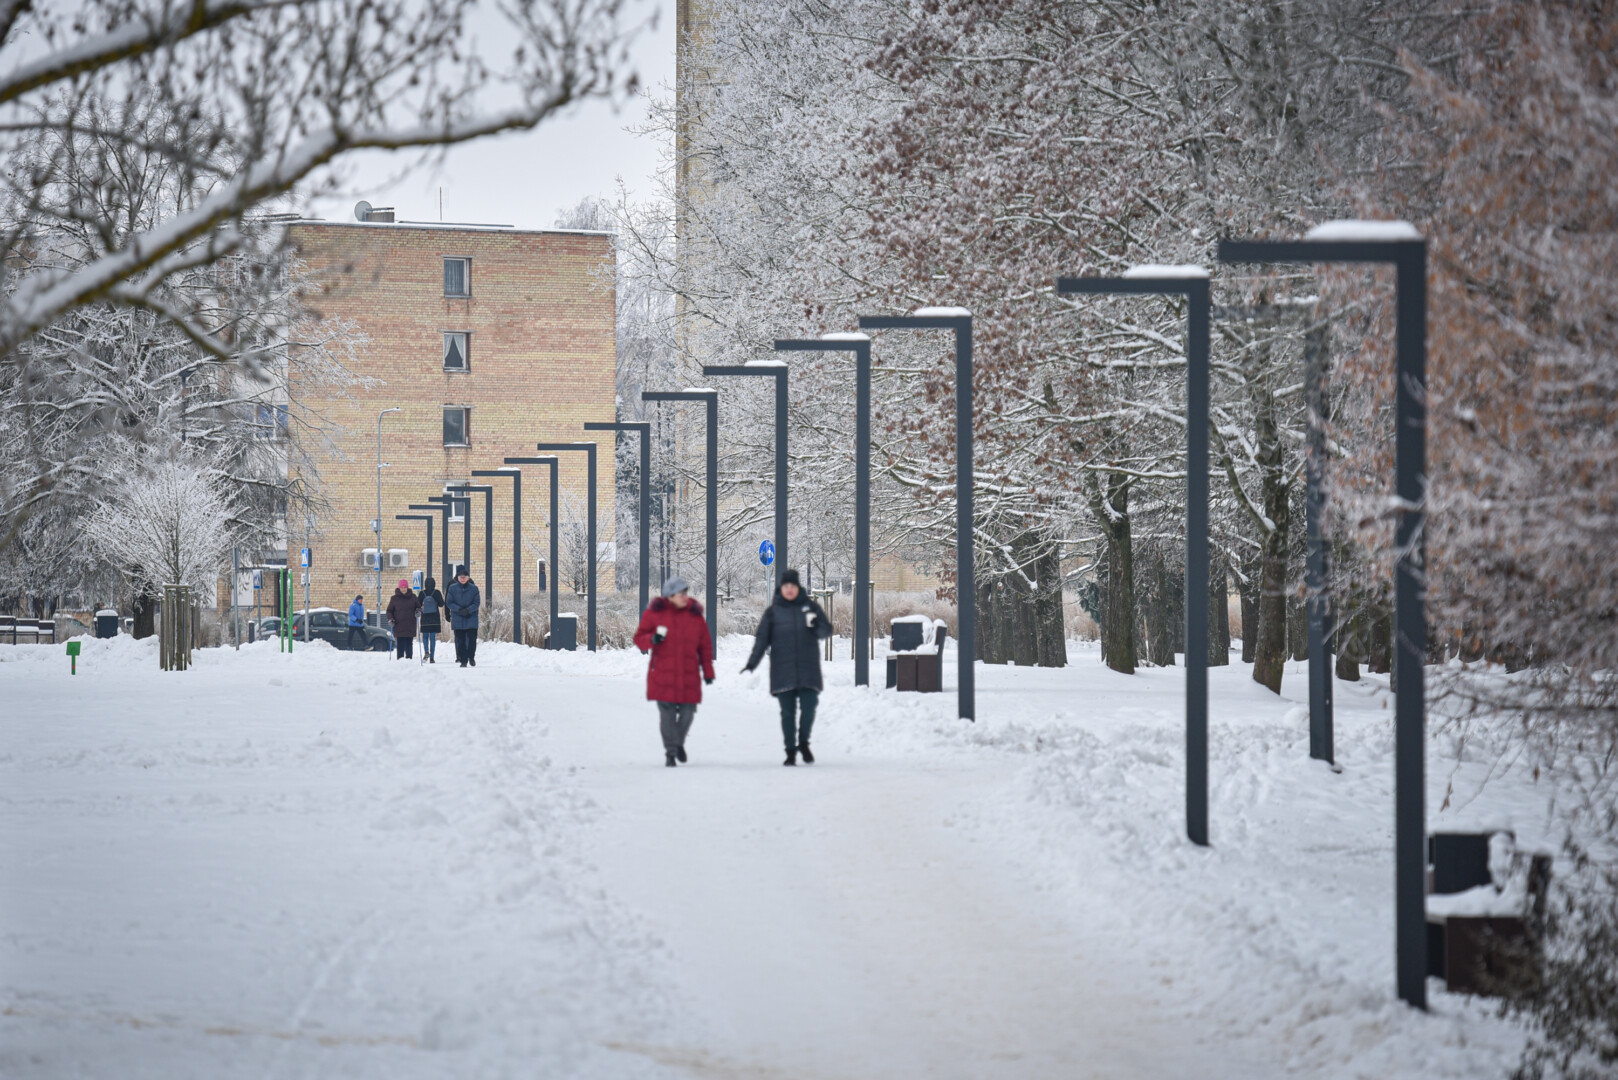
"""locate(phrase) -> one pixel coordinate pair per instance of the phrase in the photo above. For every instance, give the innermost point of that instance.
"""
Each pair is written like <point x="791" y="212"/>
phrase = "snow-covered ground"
<point x="331" y="864"/>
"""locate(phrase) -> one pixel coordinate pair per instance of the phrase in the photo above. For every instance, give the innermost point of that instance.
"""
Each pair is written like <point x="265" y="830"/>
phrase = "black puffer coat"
<point x="793" y="642"/>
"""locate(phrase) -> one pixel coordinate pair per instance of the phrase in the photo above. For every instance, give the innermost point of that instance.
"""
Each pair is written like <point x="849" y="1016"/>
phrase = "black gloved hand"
<point x="707" y="680"/>
<point x="658" y="637"/>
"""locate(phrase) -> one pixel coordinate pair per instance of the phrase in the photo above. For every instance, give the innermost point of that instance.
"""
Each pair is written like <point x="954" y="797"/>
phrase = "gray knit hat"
<point x="675" y="584"/>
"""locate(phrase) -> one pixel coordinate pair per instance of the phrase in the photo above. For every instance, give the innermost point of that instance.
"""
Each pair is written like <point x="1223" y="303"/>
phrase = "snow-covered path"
<point x="325" y="864"/>
<point x="828" y="921"/>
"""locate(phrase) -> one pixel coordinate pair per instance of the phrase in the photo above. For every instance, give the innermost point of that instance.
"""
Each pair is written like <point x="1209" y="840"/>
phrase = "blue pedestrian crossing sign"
<point x="766" y="553"/>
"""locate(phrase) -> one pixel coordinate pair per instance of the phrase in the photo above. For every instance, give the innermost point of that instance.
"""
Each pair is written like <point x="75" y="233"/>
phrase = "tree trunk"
<point x="1247" y="592"/>
<point x="1379" y="649"/>
<point x="1159" y="616"/>
<point x="1218" y="615"/>
<point x="1049" y="608"/>
<point x="1297" y="627"/>
<point x="1118" y="636"/>
<point x="144" y="608"/>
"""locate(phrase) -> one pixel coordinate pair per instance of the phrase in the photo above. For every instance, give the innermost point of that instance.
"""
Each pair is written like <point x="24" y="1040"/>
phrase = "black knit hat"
<point x="790" y="577"/>
<point x="461" y="571"/>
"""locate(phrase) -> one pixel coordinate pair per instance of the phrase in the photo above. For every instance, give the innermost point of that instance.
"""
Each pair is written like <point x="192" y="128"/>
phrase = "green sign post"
<point x="73" y="655"/>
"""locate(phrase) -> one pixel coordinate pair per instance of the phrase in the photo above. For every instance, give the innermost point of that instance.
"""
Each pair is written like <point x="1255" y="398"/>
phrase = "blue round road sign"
<point x="766" y="553"/>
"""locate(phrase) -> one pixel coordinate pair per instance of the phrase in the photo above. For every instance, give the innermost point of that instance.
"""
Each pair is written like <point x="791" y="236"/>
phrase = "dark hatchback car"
<point x="331" y="626"/>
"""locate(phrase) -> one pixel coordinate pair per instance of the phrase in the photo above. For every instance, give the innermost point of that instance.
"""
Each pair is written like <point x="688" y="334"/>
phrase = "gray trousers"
<point x="675" y="720"/>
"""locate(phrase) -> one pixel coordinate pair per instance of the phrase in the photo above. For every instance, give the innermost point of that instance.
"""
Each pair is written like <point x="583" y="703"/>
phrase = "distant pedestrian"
<point x="464" y="599"/>
<point x="432" y="605"/>
<point x="791" y="631"/>
<point x="674" y="631"/>
<point x="356" y="622"/>
<point x="402" y="608"/>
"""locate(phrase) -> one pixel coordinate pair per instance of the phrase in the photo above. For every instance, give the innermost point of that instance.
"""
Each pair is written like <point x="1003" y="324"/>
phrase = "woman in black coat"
<point x="432" y="609"/>
<point x="791" y="630"/>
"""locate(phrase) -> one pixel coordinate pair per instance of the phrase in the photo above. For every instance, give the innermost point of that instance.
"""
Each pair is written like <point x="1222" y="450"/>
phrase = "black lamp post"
<point x="428" y="518"/>
<point x="552" y="462"/>
<point x="441" y="503"/>
<point x="860" y="346"/>
<point x="711" y="397"/>
<point x="958" y="320"/>
<point x="451" y="502"/>
<point x="1401" y="245"/>
<point x="487" y="491"/>
<point x="516" y="546"/>
<point x="1190" y="282"/>
<point x="589" y="450"/>
<point x="645" y="430"/>
<point x="777" y="370"/>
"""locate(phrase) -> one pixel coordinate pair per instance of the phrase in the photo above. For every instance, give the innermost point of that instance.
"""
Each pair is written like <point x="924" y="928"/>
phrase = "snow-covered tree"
<point x="255" y="100"/>
<point x="165" y="522"/>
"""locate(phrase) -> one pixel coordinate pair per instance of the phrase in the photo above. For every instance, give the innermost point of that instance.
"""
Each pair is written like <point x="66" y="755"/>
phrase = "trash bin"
<point x="564" y="632"/>
<point x="106" y="623"/>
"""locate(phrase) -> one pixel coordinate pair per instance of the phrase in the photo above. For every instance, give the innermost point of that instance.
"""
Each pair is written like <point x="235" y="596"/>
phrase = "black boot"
<point x="679" y="752"/>
<point x="792" y="758"/>
<point x="808" y="758"/>
<point x="668" y="758"/>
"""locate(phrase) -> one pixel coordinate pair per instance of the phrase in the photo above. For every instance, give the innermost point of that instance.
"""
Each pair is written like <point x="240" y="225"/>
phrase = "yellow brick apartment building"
<point x="487" y="340"/>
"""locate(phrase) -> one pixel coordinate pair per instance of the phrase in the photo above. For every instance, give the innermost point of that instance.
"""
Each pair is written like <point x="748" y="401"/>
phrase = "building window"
<point x="457" y="352"/>
<point x="270" y="422"/>
<point x="457" y="426"/>
<point x="459" y="504"/>
<point x="457" y="277"/>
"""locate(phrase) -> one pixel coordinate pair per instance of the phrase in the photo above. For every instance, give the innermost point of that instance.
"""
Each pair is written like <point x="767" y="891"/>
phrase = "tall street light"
<point x="711" y="398"/>
<point x="552" y="462"/>
<point x="428" y="518"/>
<point x="645" y="430"/>
<point x="1190" y="282"/>
<point x="958" y="320"/>
<point x="589" y="450"/>
<point x="451" y="503"/>
<point x="777" y="370"/>
<point x="860" y="346"/>
<point x="1398" y="243"/>
<point x="376" y="525"/>
<point x="516" y="546"/>
<point x="487" y="491"/>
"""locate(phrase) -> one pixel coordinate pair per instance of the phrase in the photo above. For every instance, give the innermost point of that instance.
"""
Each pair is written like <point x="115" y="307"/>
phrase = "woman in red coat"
<point x="673" y="630"/>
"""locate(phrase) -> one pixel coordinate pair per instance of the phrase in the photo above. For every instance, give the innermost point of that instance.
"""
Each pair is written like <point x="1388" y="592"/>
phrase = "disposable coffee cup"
<point x="663" y="630"/>
<point x="808" y="618"/>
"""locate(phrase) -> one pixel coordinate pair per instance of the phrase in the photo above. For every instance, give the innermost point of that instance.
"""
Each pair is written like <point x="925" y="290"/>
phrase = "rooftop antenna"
<point x="362" y="210"/>
<point x="440" y="202"/>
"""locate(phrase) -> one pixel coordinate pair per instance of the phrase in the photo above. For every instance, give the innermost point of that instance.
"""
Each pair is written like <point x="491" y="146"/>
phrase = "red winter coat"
<point x="681" y="660"/>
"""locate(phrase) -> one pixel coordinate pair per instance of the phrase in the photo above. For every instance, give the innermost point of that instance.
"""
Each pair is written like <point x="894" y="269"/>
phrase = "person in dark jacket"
<point x="791" y="630"/>
<point x="463" y="600"/>
<point x="674" y="631"/>
<point x="402" y="608"/>
<point x="432" y="607"/>
<point x="356" y="623"/>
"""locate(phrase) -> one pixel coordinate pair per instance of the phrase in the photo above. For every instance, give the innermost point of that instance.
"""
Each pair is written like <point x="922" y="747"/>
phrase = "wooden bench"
<point x="1479" y="939"/>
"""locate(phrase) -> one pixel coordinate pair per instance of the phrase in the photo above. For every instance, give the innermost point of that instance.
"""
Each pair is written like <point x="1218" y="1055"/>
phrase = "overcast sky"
<point x="524" y="179"/>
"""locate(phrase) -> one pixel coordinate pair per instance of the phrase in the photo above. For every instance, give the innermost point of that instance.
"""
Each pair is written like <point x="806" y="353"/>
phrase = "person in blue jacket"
<point x="356" y="622"/>
<point x="464" y="599"/>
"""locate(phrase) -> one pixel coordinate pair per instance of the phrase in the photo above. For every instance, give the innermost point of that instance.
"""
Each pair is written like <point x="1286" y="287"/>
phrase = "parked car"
<point x="267" y="627"/>
<point x="331" y="626"/>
